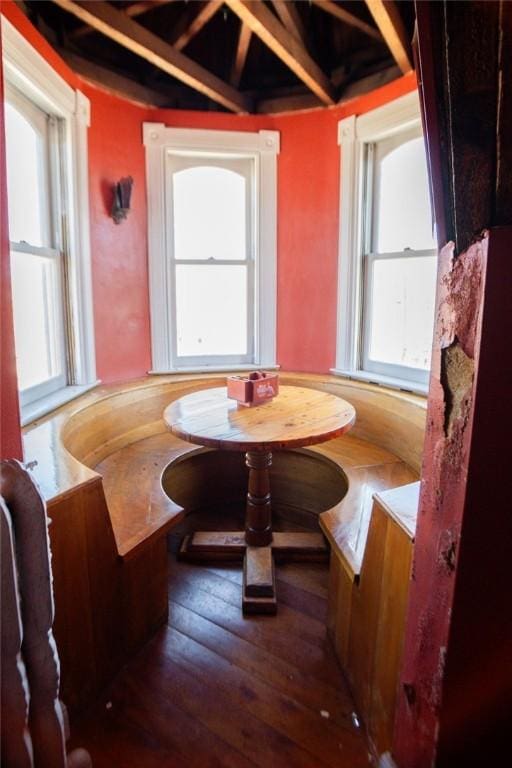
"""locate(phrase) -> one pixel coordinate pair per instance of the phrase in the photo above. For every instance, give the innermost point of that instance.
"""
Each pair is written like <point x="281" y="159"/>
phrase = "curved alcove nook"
<point x="212" y="483"/>
<point x="103" y="461"/>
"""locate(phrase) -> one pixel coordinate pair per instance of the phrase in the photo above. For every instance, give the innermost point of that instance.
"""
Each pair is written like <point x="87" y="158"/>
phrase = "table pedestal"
<point x="258" y="546"/>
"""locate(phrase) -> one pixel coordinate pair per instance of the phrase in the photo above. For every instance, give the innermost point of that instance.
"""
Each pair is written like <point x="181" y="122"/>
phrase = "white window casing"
<point x="262" y="148"/>
<point x="355" y="134"/>
<point x="30" y="74"/>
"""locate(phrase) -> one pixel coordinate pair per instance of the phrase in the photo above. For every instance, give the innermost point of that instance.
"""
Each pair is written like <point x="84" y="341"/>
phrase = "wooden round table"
<point x="295" y="418"/>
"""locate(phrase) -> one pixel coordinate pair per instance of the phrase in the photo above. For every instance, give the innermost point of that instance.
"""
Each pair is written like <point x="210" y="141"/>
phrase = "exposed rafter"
<point x="115" y="83"/>
<point x="136" y="38"/>
<point x="206" y="12"/>
<point x="347" y="17"/>
<point x="297" y="99"/>
<point x="242" y="49"/>
<point x="291" y="19"/>
<point x="388" y="19"/>
<point x="269" y="29"/>
<point x="133" y="10"/>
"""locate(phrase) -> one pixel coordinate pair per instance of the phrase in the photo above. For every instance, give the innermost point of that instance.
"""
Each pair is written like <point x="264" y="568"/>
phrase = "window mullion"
<point x="212" y="262"/>
<point x="34" y="250"/>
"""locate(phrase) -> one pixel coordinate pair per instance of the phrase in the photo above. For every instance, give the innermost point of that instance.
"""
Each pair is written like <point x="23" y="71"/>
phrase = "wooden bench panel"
<point x="139" y="509"/>
<point x="366" y="617"/>
<point x="346" y="524"/>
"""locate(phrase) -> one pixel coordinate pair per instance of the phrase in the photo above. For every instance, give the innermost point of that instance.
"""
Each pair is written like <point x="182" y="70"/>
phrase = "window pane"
<point x="36" y="311"/>
<point x="402" y="204"/>
<point x="402" y="310"/>
<point x="211" y="310"/>
<point x="209" y="214"/>
<point x="27" y="189"/>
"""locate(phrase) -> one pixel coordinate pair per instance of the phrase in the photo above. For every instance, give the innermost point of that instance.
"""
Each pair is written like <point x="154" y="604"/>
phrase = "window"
<point x="36" y="257"/>
<point x="212" y="264"/>
<point x="212" y="198"/>
<point x="46" y="142"/>
<point x="388" y="261"/>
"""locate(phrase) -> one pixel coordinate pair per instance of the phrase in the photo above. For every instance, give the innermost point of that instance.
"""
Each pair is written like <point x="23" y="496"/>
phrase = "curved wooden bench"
<point x="98" y="461"/>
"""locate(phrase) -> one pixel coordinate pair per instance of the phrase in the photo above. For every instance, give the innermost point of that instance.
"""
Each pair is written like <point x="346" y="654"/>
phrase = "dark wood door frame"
<point x="455" y="691"/>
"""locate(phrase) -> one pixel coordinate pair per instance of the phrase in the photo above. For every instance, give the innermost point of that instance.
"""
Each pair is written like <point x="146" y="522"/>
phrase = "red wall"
<point x="119" y="251"/>
<point x="10" y="437"/>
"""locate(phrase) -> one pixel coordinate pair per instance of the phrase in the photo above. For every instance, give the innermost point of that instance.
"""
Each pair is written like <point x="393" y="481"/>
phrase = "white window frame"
<point x="29" y="73"/>
<point x="354" y="134"/>
<point x="52" y="250"/>
<point x="263" y="146"/>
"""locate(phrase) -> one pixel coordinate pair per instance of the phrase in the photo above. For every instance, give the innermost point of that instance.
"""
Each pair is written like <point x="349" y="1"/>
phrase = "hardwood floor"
<point x="216" y="689"/>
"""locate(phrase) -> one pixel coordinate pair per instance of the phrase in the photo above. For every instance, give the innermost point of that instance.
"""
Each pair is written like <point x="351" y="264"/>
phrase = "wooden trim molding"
<point x="264" y="147"/>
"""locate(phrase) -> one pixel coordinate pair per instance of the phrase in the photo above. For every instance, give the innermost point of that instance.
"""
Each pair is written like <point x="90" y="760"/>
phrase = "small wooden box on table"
<point x="295" y="418"/>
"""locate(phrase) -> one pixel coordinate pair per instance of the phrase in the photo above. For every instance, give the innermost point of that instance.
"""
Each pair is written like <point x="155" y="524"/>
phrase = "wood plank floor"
<point x="216" y="689"/>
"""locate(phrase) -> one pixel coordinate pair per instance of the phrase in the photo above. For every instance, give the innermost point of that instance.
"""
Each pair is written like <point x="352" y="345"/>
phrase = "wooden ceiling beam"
<point x="139" y="40"/>
<point x="348" y="18"/>
<point x="388" y="19"/>
<point x="291" y="19"/>
<point x="114" y="83"/>
<point x="293" y="101"/>
<point x="285" y="46"/>
<point x="206" y="12"/>
<point x="242" y="49"/>
<point x="136" y="9"/>
<point x="133" y="10"/>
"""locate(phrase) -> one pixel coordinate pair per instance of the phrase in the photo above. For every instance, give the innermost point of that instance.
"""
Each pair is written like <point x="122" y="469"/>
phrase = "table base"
<point x="259" y="589"/>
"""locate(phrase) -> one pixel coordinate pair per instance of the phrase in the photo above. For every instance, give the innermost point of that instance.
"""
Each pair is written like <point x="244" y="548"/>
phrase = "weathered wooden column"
<point x="455" y="692"/>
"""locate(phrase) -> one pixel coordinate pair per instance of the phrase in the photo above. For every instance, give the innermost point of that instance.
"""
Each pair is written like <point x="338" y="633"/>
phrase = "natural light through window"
<point x="401" y="266"/>
<point x="402" y="204"/>
<point x="36" y="319"/>
<point x="211" y="256"/>
<point x="211" y="310"/>
<point x="212" y="244"/>
<point x="27" y="176"/>
<point x="35" y="263"/>
<point x="403" y="292"/>
<point x="388" y="248"/>
<point x="209" y="214"/>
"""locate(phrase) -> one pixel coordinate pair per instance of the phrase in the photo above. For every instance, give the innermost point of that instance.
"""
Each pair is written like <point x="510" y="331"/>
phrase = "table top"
<point x="294" y="418"/>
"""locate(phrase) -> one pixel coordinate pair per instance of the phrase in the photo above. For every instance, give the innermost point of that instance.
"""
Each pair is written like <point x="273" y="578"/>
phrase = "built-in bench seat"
<point x="99" y="462"/>
<point x="132" y="481"/>
<point x="346" y="525"/>
<point x="366" y="617"/>
<point x="140" y="509"/>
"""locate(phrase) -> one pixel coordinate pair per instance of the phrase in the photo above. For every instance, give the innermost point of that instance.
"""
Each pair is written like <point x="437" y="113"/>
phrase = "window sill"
<point x="384" y="381"/>
<point x="45" y="405"/>
<point x="216" y="369"/>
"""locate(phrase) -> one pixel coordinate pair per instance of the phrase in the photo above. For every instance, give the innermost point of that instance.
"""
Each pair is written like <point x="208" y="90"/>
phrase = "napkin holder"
<point x="256" y="388"/>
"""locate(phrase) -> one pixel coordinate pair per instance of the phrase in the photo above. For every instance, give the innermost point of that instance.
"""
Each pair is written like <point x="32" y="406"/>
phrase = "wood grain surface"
<point x="295" y="418"/>
<point x="216" y="689"/>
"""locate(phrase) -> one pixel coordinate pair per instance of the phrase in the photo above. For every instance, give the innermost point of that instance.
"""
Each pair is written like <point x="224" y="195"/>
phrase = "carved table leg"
<point x="259" y="589"/>
<point x="257" y="545"/>
<point x="258" y="521"/>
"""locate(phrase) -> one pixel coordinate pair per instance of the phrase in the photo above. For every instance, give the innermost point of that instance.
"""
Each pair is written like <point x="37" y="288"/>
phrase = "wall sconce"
<point x="121" y="201"/>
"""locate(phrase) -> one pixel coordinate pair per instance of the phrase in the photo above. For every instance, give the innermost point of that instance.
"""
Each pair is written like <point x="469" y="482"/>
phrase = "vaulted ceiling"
<point x="235" y="55"/>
